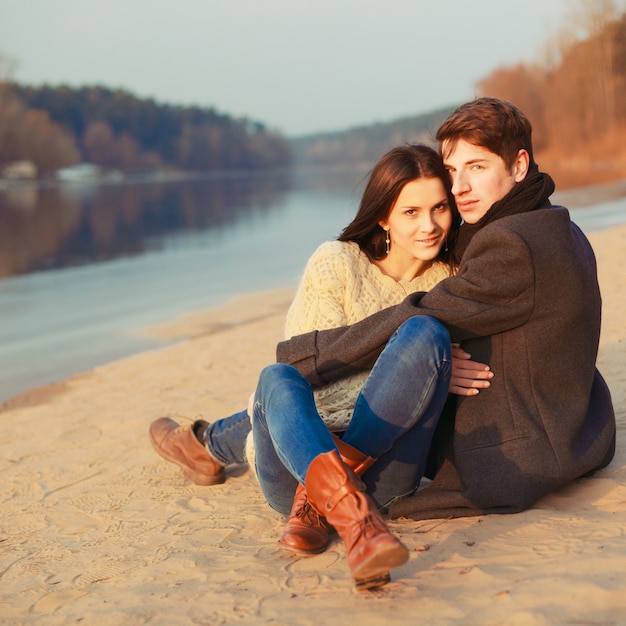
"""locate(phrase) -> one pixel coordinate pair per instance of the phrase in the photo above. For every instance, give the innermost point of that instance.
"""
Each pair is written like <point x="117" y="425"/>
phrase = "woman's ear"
<point x="521" y="165"/>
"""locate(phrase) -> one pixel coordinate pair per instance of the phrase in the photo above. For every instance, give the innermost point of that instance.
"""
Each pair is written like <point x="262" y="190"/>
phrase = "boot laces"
<point x="309" y="516"/>
<point x="371" y="526"/>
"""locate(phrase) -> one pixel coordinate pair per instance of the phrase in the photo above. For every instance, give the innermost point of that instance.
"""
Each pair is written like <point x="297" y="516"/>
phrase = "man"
<point x="525" y="301"/>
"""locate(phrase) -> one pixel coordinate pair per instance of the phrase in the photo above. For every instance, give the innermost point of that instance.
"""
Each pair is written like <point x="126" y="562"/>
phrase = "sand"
<point x="97" y="529"/>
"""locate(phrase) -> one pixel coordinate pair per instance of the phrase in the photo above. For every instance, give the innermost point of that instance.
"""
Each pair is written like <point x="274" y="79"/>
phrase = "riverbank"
<point x="96" y="528"/>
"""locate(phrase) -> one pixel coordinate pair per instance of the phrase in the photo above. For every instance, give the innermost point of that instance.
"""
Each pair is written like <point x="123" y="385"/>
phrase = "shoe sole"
<point x="194" y="477"/>
<point x="303" y="551"/>
<point x="372" y="583"/>
<point x="374" y="572"/>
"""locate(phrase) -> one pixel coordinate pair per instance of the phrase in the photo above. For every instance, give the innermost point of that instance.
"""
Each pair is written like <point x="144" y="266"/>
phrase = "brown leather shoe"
<point x="306" y="531"/>
<point x="179" y="444"/>
<point x="337" y="493"/>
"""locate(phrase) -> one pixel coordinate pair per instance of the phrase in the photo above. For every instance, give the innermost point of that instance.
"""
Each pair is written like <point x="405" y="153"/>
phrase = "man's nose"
<point x="459" y="183"/>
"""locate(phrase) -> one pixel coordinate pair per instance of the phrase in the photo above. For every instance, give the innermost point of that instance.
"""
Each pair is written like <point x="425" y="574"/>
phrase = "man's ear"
<point x="520" y="165"/>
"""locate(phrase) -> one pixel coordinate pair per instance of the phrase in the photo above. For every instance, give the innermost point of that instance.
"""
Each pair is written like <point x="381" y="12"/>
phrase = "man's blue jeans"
<point x="393" y="421"/>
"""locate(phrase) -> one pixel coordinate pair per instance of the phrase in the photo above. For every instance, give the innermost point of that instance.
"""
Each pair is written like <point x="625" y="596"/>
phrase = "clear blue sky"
<point x="300" y="66"/>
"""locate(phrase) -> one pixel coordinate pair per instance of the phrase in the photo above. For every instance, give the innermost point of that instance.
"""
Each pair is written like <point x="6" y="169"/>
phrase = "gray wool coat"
<point x="526" y="301"/>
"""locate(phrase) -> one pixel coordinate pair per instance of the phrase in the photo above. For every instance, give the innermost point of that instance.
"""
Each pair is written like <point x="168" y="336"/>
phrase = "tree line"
<point x="363" y="145"/>
<point x="58" y="126"/>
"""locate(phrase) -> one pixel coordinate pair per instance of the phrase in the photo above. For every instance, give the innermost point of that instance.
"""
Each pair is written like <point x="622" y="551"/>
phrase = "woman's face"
<point x="419" y="221"/>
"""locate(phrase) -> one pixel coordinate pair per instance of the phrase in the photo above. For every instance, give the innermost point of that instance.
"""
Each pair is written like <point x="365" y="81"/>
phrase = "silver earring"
<point x="388" y="241"/>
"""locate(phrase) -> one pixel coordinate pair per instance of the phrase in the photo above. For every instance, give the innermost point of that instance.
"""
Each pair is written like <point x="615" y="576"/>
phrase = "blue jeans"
<point x="393" y="421"/>
<point x="226" y="438"/>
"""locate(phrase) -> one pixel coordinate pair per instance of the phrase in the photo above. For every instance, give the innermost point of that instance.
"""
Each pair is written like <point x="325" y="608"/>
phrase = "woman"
<point x="399" y="242"/>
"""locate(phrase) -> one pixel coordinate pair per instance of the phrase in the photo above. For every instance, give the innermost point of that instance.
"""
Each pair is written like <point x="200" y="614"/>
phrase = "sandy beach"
<point x="97" y="529"/>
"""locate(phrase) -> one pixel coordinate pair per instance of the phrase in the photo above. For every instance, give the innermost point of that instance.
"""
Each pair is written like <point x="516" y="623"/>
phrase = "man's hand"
<point x="468" y="376"/>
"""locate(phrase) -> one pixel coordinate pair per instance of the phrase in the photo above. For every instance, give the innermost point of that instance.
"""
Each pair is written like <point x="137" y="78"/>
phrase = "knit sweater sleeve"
<point x="319" y="302"/>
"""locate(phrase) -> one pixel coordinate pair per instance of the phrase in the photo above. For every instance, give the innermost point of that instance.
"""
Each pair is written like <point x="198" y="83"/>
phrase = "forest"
<point x="56" y="127"/>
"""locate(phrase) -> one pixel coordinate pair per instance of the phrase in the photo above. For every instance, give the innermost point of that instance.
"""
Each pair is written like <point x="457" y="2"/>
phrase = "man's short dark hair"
<point x="490" y="123"/>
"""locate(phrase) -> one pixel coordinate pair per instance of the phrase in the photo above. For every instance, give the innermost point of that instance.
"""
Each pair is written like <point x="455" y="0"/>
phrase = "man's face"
<point x="479" y="178"/>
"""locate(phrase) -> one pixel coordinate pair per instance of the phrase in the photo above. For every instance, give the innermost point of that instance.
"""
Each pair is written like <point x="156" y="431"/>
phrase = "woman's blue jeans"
<point x="226" y="438"/>
<point x="394" y="418"/>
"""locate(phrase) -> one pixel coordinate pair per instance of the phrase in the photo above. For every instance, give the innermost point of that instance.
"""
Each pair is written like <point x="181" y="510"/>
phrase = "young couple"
<point x="358" y="407"/>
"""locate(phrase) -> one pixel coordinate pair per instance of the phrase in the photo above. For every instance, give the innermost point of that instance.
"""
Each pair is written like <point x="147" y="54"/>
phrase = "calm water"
<point x="83" y="268"/>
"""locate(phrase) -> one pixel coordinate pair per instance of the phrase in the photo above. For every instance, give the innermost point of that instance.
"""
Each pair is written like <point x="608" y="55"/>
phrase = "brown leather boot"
<point x="358" y="462"/>
<point x="338" y="494"/>
<point x="306" y="532"/>
<point x="179" y="444"/>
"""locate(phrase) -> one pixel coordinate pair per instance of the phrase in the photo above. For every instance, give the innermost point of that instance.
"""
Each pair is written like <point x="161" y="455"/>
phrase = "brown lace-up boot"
<point x="179" y="444"/>
<point x="337" y="493"/>
<point x="306" y="532"/>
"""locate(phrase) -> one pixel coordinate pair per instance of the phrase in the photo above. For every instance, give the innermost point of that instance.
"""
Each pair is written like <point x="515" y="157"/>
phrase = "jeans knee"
<point x="425" y="329"/>
<point x="279" y="386"/>
<point x="271" y="374"/>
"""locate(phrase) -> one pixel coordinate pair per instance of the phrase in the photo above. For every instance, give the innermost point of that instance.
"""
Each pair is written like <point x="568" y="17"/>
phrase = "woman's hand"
<point x="468" y="376"/>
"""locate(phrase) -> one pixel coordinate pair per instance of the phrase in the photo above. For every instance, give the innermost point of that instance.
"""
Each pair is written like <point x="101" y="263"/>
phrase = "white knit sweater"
<point x="341" y="286"/>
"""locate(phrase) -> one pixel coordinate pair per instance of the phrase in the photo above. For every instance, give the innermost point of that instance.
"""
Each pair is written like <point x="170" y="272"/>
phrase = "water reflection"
<point x="67" y="225"/>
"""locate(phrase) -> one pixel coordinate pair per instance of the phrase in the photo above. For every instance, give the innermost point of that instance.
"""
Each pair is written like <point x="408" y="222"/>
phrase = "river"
<point x="84" y="267"/>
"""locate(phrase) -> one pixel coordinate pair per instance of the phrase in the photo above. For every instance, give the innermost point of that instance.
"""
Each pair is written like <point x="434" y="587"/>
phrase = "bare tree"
<point x="524" y="86"/>
<point x="9" y="107"/>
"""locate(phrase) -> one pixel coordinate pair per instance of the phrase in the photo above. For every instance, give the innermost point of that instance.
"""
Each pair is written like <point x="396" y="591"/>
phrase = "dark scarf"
<point x="529" y="195"/>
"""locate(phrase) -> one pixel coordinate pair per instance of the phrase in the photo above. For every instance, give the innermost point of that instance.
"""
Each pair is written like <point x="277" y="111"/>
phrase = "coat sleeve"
<point x="493" y="292"/>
